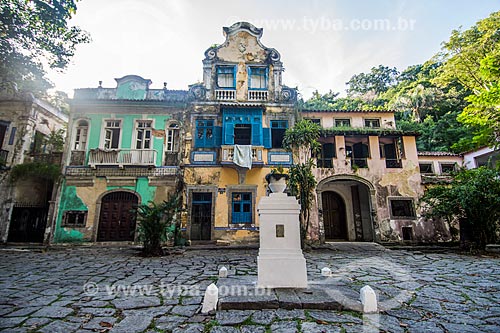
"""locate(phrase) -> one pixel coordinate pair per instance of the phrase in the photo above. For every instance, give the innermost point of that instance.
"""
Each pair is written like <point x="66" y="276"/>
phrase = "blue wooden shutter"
<point x="217" y="136"/>
<point x="256" y="134"/>
<point x="266" y="137"/>
<point x="228" y="133"/>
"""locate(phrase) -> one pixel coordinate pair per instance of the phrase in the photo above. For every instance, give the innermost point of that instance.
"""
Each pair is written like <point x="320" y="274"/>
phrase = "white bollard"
<point x="223" y="272"/>
<point x="211" y="298"/>
<point x="325" y="271"/>
<point x="368" y="299"/>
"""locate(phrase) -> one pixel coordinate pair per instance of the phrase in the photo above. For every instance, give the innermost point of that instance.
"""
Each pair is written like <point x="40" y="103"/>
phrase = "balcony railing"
<point x="257" y="95"/>
<point x="171" y="158"/>
<point x="225" y="94"/>
<point x="122" y="157"/>
<point x="227" y="154"/>
<point x="393" y="163"/>
<point x="324" y="163"/>
<point x="77" y="157"/>
<point x="359" y="162"/>
<point x="48" y="158"/>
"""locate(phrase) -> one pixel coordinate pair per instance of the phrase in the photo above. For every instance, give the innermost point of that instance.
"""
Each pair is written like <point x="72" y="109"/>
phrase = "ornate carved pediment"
<point x="242" y="44"/>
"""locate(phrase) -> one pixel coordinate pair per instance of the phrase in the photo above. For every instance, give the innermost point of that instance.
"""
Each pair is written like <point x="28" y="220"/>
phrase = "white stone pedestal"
<point x="281" y="263"/>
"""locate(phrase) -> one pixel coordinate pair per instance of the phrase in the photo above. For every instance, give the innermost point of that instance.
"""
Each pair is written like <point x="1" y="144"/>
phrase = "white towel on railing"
<point x="243" y="156"/>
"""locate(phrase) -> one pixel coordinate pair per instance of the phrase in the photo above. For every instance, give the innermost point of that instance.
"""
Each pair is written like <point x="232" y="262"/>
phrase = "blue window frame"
<point x="250" y="119"/>
<point x="278" y="129"/>
<point x="226" y="77"/>
<point x="241" y="207"/>
<point x="257" y="78"/>
<point x="207" y="135"/>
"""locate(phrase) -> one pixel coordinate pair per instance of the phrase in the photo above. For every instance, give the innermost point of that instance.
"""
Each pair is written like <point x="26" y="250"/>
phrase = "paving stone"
<point x="189" y="328"/>
<point x="334" y="317"/>
<point x="252" y="329"/>
<point x="53" y="312"/>
<point x="99" y="323"/>
<point x="99" y="312"/>
<point x="284" y="327"/>
<point x="232" y="317"/>
<point x="185" y="310"/>
<point x="23" y="312"/>
<point x="264" y="317"/>
<point x="11" y="322"/>
<point x="424" y="327"/>
<point x="310" y="327"/>
<point x="224" y="329"/>
<point x="452" y="327"/>
<point x="59" y="326"/>
<point x="136" y="302"/>
<point x="283" y="314"/>
<point x="168" y="323"/>
<point x="132" y="324"/>
<point x="36" y="322"/>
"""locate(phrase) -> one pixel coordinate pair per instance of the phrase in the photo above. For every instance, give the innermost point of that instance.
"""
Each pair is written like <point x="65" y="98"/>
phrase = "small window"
<point x="278" y="129"/>
<point x="74" y="218"/>
<point x="314" y="120"/>
<point x="425" y="168"/>
<point x="112" y="134"/>
<point x="402" y="209"/>
<point x="81" y="134"/>
<point x="257" y="78"/>
<point x="374" y="123"/>
<point x="242" y="134"/>
<point x="226" y="77"/>
<point x="173" y="138"/>
<point x="143" y="134"/>
<point x="407" y="233"/>
<point x="12" y="135"/>
<point x="447" y="168"/>
<point x="204" y="133"/>
<point x="242" y="207"/>
<point x="342" y="122"/>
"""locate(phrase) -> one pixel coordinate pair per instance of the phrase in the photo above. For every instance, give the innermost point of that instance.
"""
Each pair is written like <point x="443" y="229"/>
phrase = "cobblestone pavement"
<point x="44" y="292"/>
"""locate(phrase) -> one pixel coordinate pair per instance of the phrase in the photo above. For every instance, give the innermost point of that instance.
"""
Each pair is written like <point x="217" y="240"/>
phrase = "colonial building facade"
<point x="216" y="142"/>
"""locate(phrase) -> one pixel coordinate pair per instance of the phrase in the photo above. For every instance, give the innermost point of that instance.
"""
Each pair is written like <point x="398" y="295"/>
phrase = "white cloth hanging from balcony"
<point x="243" y="156"/>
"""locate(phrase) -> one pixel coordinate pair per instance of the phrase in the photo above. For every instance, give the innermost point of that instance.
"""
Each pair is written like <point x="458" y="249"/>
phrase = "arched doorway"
<point x="334" y="217"/>
<point x="116" y="221"/>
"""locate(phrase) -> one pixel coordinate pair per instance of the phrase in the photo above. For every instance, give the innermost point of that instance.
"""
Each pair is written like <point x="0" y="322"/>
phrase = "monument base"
<point x="273" y="267"/>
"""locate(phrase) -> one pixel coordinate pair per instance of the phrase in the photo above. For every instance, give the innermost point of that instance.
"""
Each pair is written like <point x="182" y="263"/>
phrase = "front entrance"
<point x="28" y="224"/>
<point x="201" y="216"/>
<point x="334" y="216"/>
<point x="116" y="220"/>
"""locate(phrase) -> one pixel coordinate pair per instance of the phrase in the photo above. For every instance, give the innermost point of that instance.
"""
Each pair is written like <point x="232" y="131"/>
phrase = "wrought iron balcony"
<point x="77" y="157"/>
<point x="122" y="157"/>
<point x="225" y="94"/>
<point x="227" y="154"/>
<point x="49" y="158"/>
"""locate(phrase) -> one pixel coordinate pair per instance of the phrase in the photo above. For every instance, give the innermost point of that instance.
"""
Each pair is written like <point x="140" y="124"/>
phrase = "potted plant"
<point x="277" y="179"/>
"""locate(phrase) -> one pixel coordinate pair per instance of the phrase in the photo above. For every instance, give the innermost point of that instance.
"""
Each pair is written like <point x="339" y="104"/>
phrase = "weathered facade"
<point x="25" y="124"/>
<point x="217" y="141"/>
<point x="124" y="148"/>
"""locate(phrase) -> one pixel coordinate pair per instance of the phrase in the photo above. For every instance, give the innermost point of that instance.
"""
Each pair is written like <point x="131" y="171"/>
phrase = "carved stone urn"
<point x="277" y="182"/>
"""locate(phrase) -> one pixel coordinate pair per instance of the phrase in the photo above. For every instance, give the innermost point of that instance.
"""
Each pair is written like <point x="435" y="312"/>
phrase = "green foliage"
<point x="55" y="141"/>
<point x="472" y="58"/>
<point x="33" y="33"/>
<point x="473" y="197"/>
<point x="304" y="138"/>
<point x="379" y="80"/>
<point x="157" y="224"/>
<point x="38" y="170"/>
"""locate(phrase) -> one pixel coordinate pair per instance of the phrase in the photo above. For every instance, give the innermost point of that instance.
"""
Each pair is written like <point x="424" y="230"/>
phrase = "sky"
<point x="322" y="43"/>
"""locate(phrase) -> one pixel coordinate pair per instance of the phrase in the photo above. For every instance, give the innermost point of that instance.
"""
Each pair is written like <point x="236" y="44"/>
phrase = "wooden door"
<point x="116" y="220"/>
<point x="201" y="216"/>
<point x="334" y="217"/>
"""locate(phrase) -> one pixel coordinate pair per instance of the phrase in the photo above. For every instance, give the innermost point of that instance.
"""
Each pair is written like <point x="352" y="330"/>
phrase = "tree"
<point x="157" y="224"/>
<point x="379" y="80"/>
<point x="303" y="138"/>
<point x="35" y="33"/>
<point x="472" y="197"/>
<point x="472" y="58"/>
